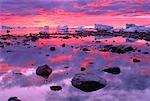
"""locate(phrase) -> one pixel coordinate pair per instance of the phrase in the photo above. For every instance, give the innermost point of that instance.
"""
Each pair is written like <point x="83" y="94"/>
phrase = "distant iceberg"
<point x="100" y="27"/>
<point x="62" y="28"/>
<point x="134" y="28"/>
<point x="79" y="29"/>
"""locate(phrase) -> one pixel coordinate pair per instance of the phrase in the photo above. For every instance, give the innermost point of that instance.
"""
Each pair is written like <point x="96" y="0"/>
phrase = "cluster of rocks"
<point x="86" y="82"/>
<point x="117" y="49"/>
<point x="89" y="82"/>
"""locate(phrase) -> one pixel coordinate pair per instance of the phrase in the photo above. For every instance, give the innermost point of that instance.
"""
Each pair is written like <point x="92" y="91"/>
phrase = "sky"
<point x="74" y="12"/>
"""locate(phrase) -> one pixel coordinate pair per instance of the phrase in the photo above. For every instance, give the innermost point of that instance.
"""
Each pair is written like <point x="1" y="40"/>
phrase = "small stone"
<point x="83" y="69"/>
<point x="47" y="54"/>
<point x="66" y="67"/>
<point x="8" y="51"/>
<point x="139" y="50"/>
<point x="85" y="49"/>
<point x="136" y="60"/>
<point x="113" y="70"/>
<point x="145" y="52"/>
<point x="56" y="88"/>
<point x="52" y="48"/>
<point x="63" y="45"/>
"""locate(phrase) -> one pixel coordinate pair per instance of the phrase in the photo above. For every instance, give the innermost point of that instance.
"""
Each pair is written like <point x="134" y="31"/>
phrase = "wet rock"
<point x="145" y="52"/>
<point x="129" y="49"/>
<point x="117" y="49"/>
<point x="71" y="46"/>
<point x="91" y="63"/>
<point x="56" y="88"/>
<point x="47" y="54"/>
<point x="34" y="38"/>
<point x="139" y="50"/>
<point x="44" y="71"/>
<point x="85" y="49"/>
<point x="8" y="31"/>
<point x="88" y="82"/>
<point x="13" y="99"/>
<point x="66" y="67"/>
<point x="8" y="43"/>
<point x="63" y="45"/>
<point x="52" y="48"/>
<point x="136" y="60"/>
<point x="17" y="72"/>
<point x="83" y="68"/>
<point x="112" y="70"/>
<point x="8" y="51"/>
<point x="2" y="46"/>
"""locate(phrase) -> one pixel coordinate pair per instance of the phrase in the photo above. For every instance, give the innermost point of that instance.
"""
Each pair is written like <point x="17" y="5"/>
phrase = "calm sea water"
<point x="132" y="84"/>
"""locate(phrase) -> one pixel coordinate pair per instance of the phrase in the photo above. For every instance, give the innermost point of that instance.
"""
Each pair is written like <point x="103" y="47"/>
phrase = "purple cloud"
<point x="25" y="7"/>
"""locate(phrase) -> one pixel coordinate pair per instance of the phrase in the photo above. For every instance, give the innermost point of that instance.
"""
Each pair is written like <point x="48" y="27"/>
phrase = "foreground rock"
<point x="112" y="70"/>
<point x="88" y="82"/>
<point x="13" y="99"/>
<point x="44" y="71"/>
<point x="56" y="88"/>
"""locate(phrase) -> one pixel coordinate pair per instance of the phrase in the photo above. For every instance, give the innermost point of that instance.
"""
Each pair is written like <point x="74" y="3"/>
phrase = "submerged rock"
<point x="13" y="99"/>
<point x="112" y="70"/>
<point x="56" y="88"/>
<point x="44" y="71"/>
<point x="88" y="82"/>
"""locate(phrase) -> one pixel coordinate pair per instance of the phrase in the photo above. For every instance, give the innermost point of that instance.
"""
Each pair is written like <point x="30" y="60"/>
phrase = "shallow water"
<point x="132" y="84"/>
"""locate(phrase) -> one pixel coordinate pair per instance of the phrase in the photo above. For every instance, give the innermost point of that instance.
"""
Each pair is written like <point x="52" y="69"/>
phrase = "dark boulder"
<point x="44" y="71"/>
<point x="88" y="82"/>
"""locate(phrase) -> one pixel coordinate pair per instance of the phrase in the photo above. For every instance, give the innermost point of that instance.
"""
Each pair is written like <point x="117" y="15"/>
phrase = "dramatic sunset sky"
<point x="74" y="12"/>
